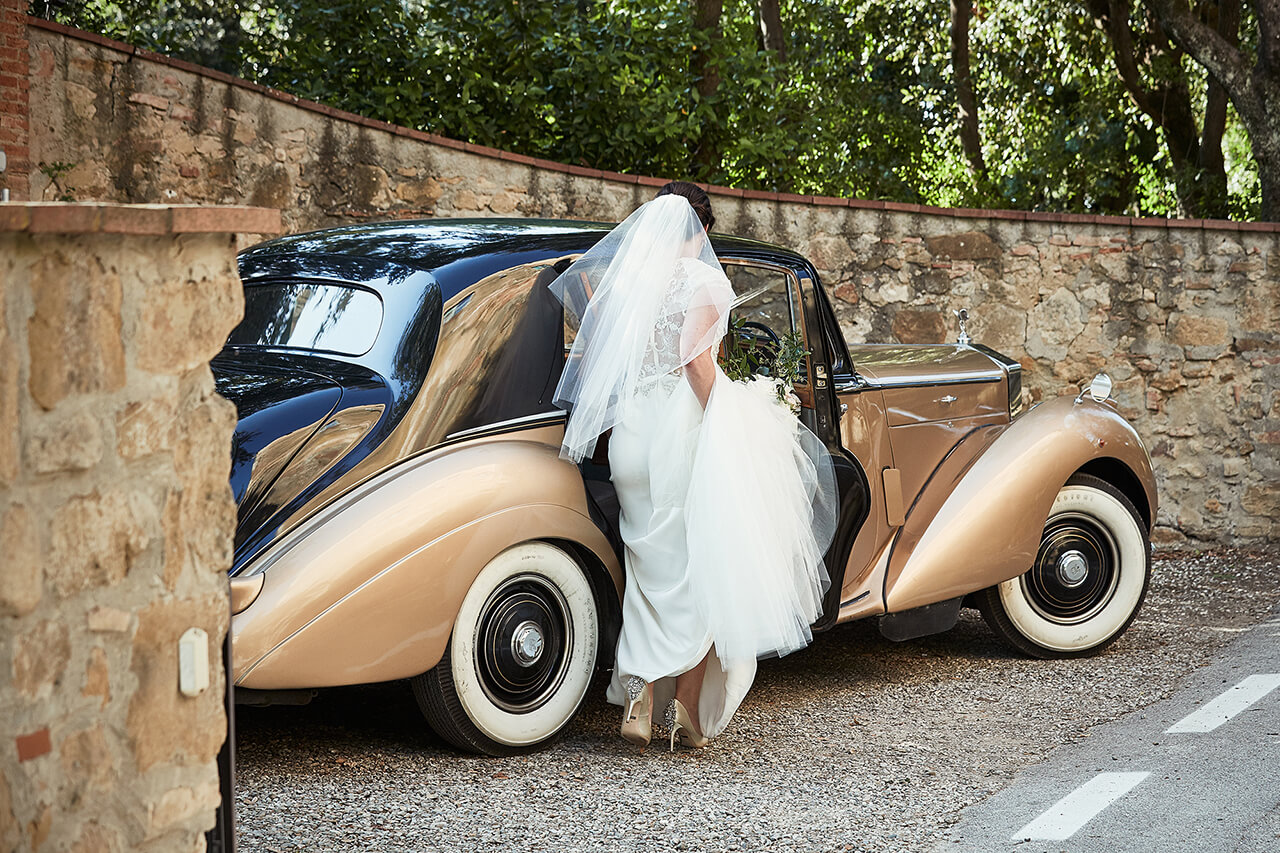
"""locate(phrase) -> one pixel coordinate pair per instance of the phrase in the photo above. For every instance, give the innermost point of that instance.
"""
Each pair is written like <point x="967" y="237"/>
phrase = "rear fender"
<point x="368" y="590"/>
<point x="985" y="529"/>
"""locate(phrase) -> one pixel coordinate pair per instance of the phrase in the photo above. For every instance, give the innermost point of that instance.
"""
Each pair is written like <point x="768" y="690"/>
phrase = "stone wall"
<point x="1183" y="313"/>
<point x="116" y="519"/>
<point x="14" y="104"/>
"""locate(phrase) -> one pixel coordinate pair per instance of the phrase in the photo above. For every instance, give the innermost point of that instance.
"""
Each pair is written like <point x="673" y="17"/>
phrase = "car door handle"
<point x="949" y="399"/>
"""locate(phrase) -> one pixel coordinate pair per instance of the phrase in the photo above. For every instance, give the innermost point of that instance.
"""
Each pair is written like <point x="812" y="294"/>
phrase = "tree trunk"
<point x="1255" y="91"/>
<point x="1194" y="153"/>
<point x="771" y="36"/>
<point x="705" y="159"/>
<point x="966" y="102"/>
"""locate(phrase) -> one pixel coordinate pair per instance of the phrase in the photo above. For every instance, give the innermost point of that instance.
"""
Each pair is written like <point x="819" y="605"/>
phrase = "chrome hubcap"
<point x="526" y="645"/>
<point x="1072" y="569"/>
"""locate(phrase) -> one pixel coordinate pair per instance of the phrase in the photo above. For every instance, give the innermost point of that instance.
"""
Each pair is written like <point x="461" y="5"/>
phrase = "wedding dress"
<point x="725" y="511"/>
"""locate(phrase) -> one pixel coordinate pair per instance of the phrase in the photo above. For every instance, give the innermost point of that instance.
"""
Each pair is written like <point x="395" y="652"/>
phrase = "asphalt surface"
<point x="855" y="743"/>
<point x="1199" y="771"/>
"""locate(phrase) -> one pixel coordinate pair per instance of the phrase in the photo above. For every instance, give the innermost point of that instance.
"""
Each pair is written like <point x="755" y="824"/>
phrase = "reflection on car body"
<point x="404" y="513"/>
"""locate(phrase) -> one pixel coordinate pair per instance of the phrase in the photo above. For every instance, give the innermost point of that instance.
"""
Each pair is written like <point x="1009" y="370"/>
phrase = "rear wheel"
<point x="521" y="655"/>
<point x="1088" y="580"/>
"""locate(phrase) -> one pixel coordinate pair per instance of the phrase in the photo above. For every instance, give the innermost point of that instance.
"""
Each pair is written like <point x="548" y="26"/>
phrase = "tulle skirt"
<point x="725" y="515"/>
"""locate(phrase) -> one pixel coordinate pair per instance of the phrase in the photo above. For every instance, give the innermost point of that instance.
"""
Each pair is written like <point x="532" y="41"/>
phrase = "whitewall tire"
<point x="521" y="655"/>
<point x="1088" y="581"/>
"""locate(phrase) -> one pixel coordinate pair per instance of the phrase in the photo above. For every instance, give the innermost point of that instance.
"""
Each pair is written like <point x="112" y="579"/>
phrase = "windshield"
<point x="311" y="316"/>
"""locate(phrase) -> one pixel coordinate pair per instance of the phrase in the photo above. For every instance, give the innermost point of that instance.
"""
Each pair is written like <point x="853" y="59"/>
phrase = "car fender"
<point x="965" y="535"/>
<point x="369" y="588"/>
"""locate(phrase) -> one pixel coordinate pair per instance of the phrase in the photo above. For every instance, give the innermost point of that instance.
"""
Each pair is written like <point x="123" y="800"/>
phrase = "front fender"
<point x="983" y="529"/>
<point x="368" y="589"/>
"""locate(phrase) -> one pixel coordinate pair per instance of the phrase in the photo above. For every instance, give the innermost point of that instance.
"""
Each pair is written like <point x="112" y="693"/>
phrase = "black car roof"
<point x="430" y="244"/>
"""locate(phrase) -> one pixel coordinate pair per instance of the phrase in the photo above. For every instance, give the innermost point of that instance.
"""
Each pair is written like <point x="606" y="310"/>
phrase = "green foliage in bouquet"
<point x="745" y="357"/>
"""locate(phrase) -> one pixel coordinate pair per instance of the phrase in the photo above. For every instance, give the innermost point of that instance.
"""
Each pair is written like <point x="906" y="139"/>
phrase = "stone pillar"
<point x="116" y="519"/>
<point x="14" y="98"/>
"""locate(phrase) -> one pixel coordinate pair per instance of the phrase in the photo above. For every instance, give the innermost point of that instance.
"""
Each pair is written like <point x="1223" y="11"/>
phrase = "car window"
<point x="309" y="315"/>
<point x="770" y="298"/>
<point x="768" y="291"/>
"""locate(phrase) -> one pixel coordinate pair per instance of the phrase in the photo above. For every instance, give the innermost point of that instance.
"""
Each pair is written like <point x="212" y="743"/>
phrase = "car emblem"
<point x="963" y="317"/>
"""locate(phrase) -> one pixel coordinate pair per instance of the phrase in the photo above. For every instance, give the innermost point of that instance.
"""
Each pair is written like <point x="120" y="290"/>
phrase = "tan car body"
<point x="367" y="590"/>
<point x="366" y="584"/>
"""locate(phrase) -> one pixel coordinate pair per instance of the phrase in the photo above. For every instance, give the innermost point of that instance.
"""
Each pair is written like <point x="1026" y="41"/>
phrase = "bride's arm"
<point x="701" y="373"/>
<point x="704" y="321"/>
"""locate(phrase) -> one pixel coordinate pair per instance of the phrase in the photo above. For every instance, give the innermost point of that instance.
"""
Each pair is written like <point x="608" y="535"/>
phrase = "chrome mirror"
<point x="1099" y="389"/>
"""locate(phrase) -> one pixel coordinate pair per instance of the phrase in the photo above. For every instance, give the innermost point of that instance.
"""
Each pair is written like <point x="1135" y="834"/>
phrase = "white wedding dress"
<point x="725" y="512"/>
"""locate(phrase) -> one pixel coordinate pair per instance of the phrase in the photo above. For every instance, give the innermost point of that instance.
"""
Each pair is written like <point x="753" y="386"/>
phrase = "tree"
<point x="772" y="38"/>
<point x="706" y="74"/>
<point x="966" y="102"/>
<point x="1252" y="83"/>
<point x="1153" y="72"/>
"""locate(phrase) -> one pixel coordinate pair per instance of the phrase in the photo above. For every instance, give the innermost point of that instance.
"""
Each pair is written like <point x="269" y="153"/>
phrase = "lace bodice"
<point x="693" y="285"/>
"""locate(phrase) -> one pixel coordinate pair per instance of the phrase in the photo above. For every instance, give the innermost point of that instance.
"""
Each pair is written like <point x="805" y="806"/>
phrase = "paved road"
<point x="1197" y="772"/>
<point x="854" y="744"/>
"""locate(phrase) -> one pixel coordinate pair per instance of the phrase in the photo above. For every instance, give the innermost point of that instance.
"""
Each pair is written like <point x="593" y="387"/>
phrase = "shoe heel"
<point x="672" y="747"/>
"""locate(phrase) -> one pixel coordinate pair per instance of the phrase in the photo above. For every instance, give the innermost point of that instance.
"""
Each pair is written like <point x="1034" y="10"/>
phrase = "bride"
<point x="727" y="501"/>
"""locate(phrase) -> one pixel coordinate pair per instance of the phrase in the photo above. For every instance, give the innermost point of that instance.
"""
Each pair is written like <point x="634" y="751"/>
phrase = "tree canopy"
<point x="1103" y="106"/>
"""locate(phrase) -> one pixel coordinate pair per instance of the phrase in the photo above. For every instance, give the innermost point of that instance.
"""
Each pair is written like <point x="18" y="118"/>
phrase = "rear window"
<point x="311" y="316"/>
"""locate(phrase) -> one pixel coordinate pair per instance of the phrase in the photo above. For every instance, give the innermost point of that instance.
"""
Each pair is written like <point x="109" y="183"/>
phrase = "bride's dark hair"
<point x="697" y="197"/>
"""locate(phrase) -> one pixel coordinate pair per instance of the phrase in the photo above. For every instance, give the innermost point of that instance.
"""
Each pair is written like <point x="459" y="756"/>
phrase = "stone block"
<point x="144" y="427"/>
<point x="999" y="326"/>
<point x="1053" y="325"/>
<point x="165" y="727"/>
<point x="1203" y="338"/>
<point x="88" y="763"/>
<point x="74" y="335"/>
<point x="21" y="570"/>
<point x="505" y="202"/>
<point x="919" y="326"/>
<point x="422" y="194"/>
<point x="97" y="677"/>
<point x="40" y="657"/>
<point x="108" y="620"/>
<point x="10" y="835"/>
<point x="184" y="321"/>
<point x="967" y="246"/>
<point x="73" y="443"/>
<point x="96" y="539"/>
<point x="1262" y="500"/>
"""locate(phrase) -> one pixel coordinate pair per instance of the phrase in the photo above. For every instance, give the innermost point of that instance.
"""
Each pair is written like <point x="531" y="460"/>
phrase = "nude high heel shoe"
<point x="680" y="723"/>
<point x="637" y="721"/>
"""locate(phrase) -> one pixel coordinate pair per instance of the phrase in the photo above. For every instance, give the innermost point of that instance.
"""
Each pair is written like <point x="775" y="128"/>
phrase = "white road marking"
<point x="1218" y="711"/>
<point x="1065" y="817"/>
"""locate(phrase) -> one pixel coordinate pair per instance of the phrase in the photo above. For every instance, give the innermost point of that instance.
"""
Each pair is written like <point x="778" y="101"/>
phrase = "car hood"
<point x="898" y="365"/>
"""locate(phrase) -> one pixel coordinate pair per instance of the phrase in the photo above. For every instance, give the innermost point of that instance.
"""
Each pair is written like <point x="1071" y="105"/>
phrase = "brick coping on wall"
<point x="645" y="180"/>
<point x="36" y="217"/>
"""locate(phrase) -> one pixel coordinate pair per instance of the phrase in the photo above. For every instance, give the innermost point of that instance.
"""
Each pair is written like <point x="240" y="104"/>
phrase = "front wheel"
<point x="1088" y="580"/>
<point x="521" y="655"/>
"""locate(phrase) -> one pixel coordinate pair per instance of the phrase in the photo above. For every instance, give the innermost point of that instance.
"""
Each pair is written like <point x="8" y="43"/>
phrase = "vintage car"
<point x="404" y="512"/>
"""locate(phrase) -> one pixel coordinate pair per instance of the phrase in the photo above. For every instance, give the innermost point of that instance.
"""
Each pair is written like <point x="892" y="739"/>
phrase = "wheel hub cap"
<point x="1076" y="571"/>
<point x="1072" y="569"/>
<point x="523" y="642"/>
<point x="527" y="644"/>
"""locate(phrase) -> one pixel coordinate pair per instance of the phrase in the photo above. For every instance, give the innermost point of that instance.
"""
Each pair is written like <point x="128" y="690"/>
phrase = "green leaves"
<point x="863" y="106"/>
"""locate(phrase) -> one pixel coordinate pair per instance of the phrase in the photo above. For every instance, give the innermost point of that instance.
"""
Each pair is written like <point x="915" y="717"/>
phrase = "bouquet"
<point x="768" y="366"/>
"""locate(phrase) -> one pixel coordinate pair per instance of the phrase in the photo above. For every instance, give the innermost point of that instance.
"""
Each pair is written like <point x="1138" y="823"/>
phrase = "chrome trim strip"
<point x="928" y="381"/>
<point x="539" y="419"/>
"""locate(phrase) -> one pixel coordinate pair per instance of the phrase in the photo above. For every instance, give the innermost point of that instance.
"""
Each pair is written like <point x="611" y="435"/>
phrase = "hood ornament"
<point x="963" y="317"/>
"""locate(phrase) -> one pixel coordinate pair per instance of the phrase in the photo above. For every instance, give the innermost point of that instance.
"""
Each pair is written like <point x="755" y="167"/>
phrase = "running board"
<point x="921" y="621"/>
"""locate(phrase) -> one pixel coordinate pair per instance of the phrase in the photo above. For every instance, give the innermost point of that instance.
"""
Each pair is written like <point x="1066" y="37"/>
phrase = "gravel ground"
<point x="855" y="743"/>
